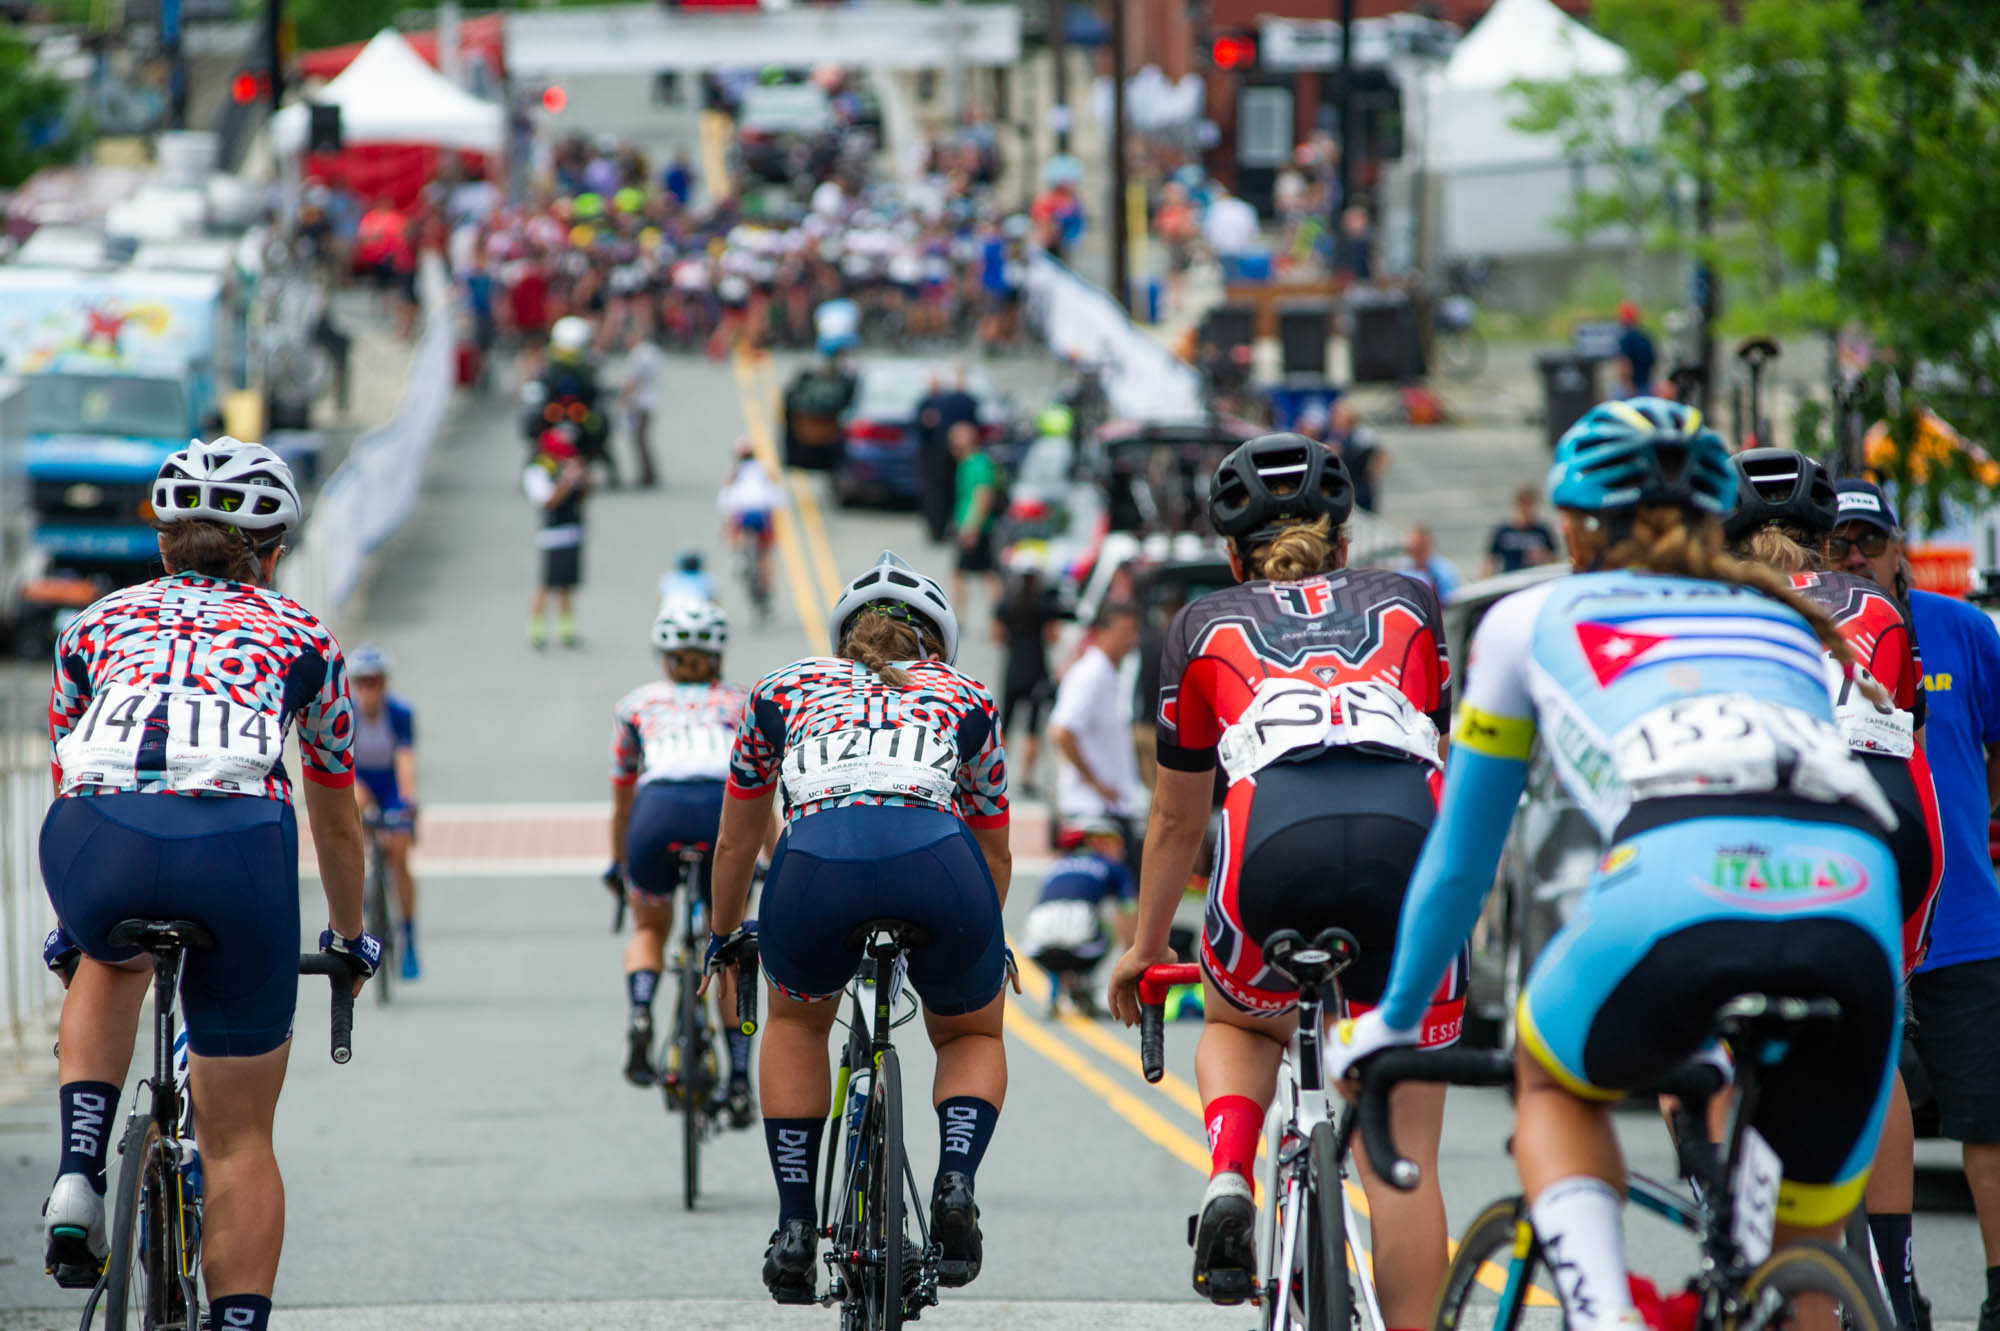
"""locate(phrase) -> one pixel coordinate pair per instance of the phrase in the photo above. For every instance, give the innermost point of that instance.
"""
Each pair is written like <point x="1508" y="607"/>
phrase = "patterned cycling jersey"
<point x="186" y="685"/>
<point x="1255" y="671"/>
<point x="834" y="734"/>
<point x="665" y="731"/>
<point x="1879" y="631"/>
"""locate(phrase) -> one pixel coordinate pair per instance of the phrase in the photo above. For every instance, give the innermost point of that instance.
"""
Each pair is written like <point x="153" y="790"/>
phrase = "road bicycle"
<point x="691" y="1072"/>
<point x="1305" y="1241"/>
<point x="151" y="1279"/>
<point x="377" y="916"/>
<point x="877" y="1275"/>
<point x="1742" y="1284"/>
<point x="750" y="569"/>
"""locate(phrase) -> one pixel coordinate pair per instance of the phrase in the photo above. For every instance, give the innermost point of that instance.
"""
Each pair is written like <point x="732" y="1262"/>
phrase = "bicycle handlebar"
<point x="746" y="988"/>
<point x="341" y="978"/>
<point x="1153" y="987"/>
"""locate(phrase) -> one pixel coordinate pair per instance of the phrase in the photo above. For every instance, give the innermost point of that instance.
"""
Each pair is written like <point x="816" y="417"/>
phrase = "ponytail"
<point x="875" y="640"/>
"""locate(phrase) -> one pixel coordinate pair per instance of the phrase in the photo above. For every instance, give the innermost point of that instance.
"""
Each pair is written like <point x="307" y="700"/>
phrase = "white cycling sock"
<point x="1580" y="1223"/>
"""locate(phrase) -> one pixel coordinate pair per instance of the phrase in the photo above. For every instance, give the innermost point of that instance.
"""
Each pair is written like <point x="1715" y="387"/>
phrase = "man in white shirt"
<point x="645" y="366"/>
<point x="1099" y="773"/>
<point x="1230" y="228"/>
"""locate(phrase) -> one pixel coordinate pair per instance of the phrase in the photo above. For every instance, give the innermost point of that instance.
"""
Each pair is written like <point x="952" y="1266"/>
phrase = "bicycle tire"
<point x="1812" y="1266"/>
<point x="139" y="1293"/>
<point x="1330" y="1298"/>
<point x="687" y="1032"/>
<point x="1493" y="1236"/>
<point x="886" y="1170"/>
<point x="375" y="918"/>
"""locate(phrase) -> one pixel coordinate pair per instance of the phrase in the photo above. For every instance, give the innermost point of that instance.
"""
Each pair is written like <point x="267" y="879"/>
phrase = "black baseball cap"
<point x="1864" y="502"/>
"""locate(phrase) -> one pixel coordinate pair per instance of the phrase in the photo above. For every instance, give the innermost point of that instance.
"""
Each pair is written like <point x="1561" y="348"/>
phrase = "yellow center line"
<point x="822" y="560"/>
<point x="812" y="617"/>
<point x="1130" y="1107"/>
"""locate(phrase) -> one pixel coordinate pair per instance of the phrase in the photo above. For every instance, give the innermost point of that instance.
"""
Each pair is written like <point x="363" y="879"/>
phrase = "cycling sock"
<point x="965" y="1126"/>
<point x="1891" y="1233"/>
<point x="1580" y="1224"/>
<point x="566" y="625"/>
<point x="1993" y="1284"/>
<point x="1234" y="1122"/>
<point x="240" y="1312"/>
<point x="640" y="987"/>
<point x="739" y="1056"/>
<point x="87" y="1110"/>
<point x="794" y="1147"/>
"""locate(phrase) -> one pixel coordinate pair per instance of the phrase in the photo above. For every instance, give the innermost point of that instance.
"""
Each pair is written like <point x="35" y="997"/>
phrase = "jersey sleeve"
<point x="1185" y="726"/>
<point x="759" y="744"/>
<point x="326" y="724"/>
<point x="1984" y="652"/>
<point x="626" y="749"/>
<point x="403" y="724"/>
<point x="982" y="774"/>
<point x="69" y="690"/>
<point x="1426" y="675"/>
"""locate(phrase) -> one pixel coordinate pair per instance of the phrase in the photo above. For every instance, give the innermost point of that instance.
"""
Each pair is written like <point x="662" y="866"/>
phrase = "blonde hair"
<point x="1661" y="540"/>
<point x="1297" y="552"/>
<point x="1777" y="548"/>
<point x="687" y="666"/>
<point x="210" y="549"/>
<point x="876" y="640"/>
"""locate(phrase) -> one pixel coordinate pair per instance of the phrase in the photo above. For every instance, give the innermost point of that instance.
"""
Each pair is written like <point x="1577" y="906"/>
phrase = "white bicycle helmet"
<point x="570" y="334"/>
<point x="891" y="579"/>
<point x="368" y="662"/>
<point x="688" y="625"/>
<point x="227" y="481"/>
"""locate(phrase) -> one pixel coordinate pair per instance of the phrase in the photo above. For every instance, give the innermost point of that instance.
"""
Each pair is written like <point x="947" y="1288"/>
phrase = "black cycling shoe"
<point x="788" y="1263"/>
<point x="639" y="1068"/>
<point x="955" y="1226"/>
<point x="1225" y="1241"/>
<point x="742" y="1108"/>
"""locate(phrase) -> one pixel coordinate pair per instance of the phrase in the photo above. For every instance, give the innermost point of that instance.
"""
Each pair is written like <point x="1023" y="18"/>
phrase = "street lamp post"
<point x="1121" y="254"/>
<point x="1349" y="138"/>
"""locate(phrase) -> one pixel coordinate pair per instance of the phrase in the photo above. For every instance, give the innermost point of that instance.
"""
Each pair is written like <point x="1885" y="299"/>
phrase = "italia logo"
<point x="1307" y="600"/>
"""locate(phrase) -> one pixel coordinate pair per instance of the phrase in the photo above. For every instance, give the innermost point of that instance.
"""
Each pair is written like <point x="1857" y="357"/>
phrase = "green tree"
<point x="35" y="129"/>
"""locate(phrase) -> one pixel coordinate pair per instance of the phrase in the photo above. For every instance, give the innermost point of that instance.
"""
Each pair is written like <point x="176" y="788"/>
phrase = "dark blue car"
<point x="878" y="462"/>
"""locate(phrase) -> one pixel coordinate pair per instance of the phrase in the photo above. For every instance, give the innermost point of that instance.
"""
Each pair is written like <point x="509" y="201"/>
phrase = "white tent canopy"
<point x="1529" y="39"/>
<point x="389" y="95"/>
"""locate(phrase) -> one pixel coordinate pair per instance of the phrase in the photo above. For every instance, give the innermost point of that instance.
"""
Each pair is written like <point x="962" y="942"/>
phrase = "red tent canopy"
<point x="483" y="38"/>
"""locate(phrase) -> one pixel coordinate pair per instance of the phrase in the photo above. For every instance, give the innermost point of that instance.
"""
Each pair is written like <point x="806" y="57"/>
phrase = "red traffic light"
<point x="554" y="98"/>
<point x="245" y="88"/>
<point x="1231" y="51"/>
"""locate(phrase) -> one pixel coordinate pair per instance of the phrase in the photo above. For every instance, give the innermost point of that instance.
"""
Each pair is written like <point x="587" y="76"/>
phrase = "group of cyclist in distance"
<point x="1742" y="726"/>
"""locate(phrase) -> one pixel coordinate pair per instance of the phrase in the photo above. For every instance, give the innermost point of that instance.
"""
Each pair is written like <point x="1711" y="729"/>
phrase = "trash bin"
<point x="1226" y="327"/>
<point x="1569" y="389"/>
<point x="1302" y="332"/>
<point x="1385" y="341"/>
<point x="1303" y="404"/>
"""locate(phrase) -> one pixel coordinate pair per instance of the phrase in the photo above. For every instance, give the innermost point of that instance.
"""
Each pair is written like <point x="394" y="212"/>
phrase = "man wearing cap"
<point x="1955" y="994"/>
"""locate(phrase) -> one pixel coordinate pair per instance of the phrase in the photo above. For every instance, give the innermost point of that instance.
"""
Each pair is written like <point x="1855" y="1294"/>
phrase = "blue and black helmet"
<point x="1644" y="450"/>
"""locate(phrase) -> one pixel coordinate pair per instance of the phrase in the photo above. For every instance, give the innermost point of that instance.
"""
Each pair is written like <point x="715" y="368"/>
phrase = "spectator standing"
<point x="978" y="494"/>
<point x="645" y="368"/>
<point x="1354" y="252"/>
<point x="556" y="483"/>
<point x="937" y="466"/>
<point x="1420" y="545"/>
<point x="1523" y="540"/>
<point x="1024" y="624"/>
<point x="1359" y="448"/>
<point x="678" y="180"/>
<point x="1636" y="357"/>
<point x="1058" y="217"/>
<point x="1099" y="773"/>
<point x="1177" y="229"/>
<point x="1230" y="228"/>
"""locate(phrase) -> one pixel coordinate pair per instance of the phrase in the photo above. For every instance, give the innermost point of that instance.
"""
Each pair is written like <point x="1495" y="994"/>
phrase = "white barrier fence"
<point x="29" y="995"/>
<point x="369" y="498"/>
<point x="1142" y="379"/>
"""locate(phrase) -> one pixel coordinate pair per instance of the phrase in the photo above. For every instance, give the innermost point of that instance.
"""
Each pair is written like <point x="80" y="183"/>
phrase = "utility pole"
<point x="1121" y="254"/>
<point x="1704" y="225"/>
<point x="1350" y="137"/>
<point x="274" y="55"/>
<point x="1059" y="53"/>
<point x="177" y="76"/>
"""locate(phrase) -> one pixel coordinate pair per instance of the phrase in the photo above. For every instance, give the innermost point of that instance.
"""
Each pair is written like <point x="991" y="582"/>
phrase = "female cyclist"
<point x="385" y="783"/>
<point x="1684" y="701"/>
<point x="669" y="757"/>
<point x="1321" y="690"/>
<point x="896" y="794"/>
<point x="168" y="717"/>
<point x="1785" y="509"/>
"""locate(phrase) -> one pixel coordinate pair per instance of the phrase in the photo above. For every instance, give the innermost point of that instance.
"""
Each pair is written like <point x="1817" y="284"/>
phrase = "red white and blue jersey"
<point x="665" y="731"/>
<point x="187" y="685"/>
<point x="833" y="734"/>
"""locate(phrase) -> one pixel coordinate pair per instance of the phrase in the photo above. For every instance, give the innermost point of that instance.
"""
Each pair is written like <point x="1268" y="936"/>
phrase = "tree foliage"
<point x="1849" y="144"/>
<point x="35" y="129"/>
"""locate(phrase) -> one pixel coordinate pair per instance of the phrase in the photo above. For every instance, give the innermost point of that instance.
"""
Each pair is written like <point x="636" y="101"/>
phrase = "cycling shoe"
<point x="1225" y="1243"/>
<point x="75" y="1246"/>
<point x="639" y="1051"/>
<point x="788" y="1263"/>
<point x="742" y="1108"/>
<point x="955" y="1225"/>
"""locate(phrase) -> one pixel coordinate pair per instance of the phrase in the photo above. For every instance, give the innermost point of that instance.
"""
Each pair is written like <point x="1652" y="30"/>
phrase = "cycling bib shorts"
<point x="668" y="817"/>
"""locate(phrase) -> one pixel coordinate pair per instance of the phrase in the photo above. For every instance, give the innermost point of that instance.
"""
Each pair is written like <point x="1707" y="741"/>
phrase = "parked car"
<point x="783" y="129"/>
<point x="878" y="459"/>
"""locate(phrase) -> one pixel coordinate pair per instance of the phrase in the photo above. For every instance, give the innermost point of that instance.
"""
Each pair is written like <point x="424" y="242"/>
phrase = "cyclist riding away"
<point x="896" y="798"/>
<point x="1321" y="690"/>
<point x="1786" y="511"/>
<point x="168" y="716"/>
<point x="688" y="579"/>
<point x="749" y="503"/>
<point x="669" y="757"/>
<point x="1685" y="702"/>
<point x="385" y="771"/>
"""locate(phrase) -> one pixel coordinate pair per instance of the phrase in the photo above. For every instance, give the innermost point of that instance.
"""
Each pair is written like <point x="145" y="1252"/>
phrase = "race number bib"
<point x="201" y="741"/>
<point x="1732" y="743"/>
<point x="1290" y="716"/>
<point x="913" y="761"/>
<point x="1869" y="726"/>
<point x="695" y="752"/>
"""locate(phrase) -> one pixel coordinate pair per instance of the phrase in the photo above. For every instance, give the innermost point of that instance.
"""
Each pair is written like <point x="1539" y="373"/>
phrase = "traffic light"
<point x="554" y="99"/>
<point x="246" y="88"/>
<point x="1233" y="50"/>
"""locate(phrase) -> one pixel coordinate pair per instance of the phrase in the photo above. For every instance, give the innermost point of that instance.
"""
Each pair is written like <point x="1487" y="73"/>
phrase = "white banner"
<point x="1142" y="379"/>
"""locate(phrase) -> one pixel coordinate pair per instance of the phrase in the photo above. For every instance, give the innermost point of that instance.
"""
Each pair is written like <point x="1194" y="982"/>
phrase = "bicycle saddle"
<point x="1332" y="952"/>
<point x="158" y="936"/>
<point x="906" y="935"/>
<point x="1764" y="1018"/>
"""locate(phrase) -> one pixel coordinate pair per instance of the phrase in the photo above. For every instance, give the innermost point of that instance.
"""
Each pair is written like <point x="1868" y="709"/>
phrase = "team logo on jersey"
<point x="1308" y="600"/>
<point x="1610" y="651"/>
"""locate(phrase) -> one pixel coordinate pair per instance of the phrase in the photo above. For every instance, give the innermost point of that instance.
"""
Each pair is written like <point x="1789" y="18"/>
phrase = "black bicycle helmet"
<point x="1781" y="486"/>
<point x="1276" y="481"/>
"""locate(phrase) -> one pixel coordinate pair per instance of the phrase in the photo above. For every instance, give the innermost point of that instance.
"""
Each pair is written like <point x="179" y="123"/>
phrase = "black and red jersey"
<point x="1347" y="626"/>
<point x="1879" y="631"/>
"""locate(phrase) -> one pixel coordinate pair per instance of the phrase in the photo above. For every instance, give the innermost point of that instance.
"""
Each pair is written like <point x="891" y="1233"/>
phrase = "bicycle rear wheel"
<point x="1812" y="1267"/>
<point x="885" y="1185"/>
<point x="1330" y="1305"/>
<point x="142" y="1288"/>
<point x="1493" y="1273"/>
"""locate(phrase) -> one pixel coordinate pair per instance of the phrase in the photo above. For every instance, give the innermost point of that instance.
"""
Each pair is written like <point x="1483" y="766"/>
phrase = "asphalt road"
<point x="482" y="1162"/>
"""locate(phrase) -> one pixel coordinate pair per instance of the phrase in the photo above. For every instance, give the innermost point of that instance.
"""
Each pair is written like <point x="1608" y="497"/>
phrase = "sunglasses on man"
<point x="1871" y="545"/>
